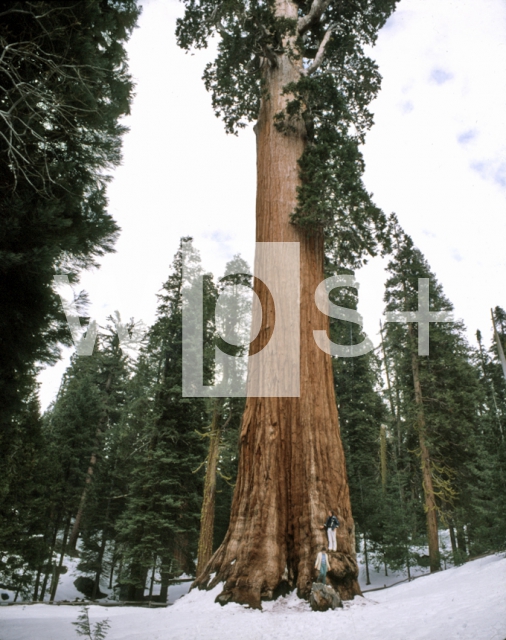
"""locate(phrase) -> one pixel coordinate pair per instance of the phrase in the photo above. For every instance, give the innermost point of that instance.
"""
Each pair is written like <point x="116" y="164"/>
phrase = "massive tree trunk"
<point x="428" y="487"/>
<point x="291" y="468"/>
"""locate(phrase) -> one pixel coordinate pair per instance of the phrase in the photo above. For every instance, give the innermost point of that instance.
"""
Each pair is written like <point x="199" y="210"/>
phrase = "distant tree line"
<point x="135" y="481"/>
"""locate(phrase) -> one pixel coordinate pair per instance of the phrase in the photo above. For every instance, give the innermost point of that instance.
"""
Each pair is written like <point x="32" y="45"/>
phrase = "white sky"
<point x="436" y="156"/>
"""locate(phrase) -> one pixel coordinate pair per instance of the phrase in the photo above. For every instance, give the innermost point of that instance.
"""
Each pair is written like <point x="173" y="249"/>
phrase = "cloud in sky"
<point x="439" y="76"/>
<point x="442" y="169"/>
<point x="466" y="137"/>
<point x="494" y="171"/>
<point x="407" y="107"/>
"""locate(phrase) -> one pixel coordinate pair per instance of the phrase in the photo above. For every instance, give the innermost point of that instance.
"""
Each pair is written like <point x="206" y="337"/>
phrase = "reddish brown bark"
<point x="428" y="487"/>
<point x="292" y="467"/>
<point x="205" y="549"/>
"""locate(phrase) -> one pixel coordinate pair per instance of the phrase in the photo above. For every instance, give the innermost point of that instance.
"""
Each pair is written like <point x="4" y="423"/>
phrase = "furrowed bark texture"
<point x="428" y="487"/>
<point x="292" y="467"/>
<point x="205" y="549"/>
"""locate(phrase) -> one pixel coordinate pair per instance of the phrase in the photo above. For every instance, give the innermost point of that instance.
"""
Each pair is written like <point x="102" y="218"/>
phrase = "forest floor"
<point x="461" y="603"/>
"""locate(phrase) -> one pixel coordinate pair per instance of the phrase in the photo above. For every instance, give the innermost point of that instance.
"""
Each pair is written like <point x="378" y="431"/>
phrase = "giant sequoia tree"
<point x="299" y="71"/>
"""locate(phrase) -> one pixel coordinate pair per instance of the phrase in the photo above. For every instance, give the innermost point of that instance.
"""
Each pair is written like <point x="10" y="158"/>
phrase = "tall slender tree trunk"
<point x="366" y="559"/>
<point x="50" y="557"/>
<point x="56" y="580"/>
<point x="37" y="585"/>
<point x="205" y="549"/>
<point x="120" y="570"/>
<point x="393" y="408"/>
<point x="291" y="467"/>
<point x="428" y="488"/>
<point x="82" y="502"/>
<point x="453" y="541"/>
<point x="383" y="457"/>
<point x="40" y="570"/>
<point x="113" y="564"/>
<point x="98" y="573"/>
<point x="89" y="474"/>
<point x="165" y="576"/>
<point x="461" y="539"/>
<point x="103" y="542"/>
<point x="152" y="581"/>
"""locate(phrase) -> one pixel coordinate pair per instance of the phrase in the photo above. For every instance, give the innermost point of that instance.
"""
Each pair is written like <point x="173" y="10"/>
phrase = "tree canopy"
<point x="337" y="81"/>
<point x="65" y="86"/>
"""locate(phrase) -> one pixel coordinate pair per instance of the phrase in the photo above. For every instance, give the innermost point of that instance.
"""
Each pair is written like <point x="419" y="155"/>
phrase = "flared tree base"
<point x="252" y="590"/>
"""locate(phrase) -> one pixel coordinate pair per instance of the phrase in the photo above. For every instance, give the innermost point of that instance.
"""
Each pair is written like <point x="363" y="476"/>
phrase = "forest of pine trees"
<point x="135" y="481"/>
<point x="125" y="474"/>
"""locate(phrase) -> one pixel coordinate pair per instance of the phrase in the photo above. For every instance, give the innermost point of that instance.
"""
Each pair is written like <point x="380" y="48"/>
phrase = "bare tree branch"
<point x="315" y="13"/>
<point x="320" y="54"/>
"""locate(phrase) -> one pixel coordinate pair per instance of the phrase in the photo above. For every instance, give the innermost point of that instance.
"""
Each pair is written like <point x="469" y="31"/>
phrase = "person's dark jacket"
<point x="332" y="523"/>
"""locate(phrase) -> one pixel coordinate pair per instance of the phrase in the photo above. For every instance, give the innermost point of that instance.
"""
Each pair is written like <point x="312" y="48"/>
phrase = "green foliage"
<point x="84" y="628"/>
<point x="332" y="197"/>
<point x="162" y="512"/>
<point x="361" y="413"/>
<point x="331" y="101"/>
<point x="449" y="380"/>
<point x="65" y="85"/>
<point x="487" y="496"/>
<point x="24" y="502"/>
<point x="51" y="470"/>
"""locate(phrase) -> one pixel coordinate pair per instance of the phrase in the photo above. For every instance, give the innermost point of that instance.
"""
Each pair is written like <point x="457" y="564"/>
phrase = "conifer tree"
<point x="65" y="86"/>
<point x="361" y="416"/>
<point x="439" y="392"/>
<point x="25" y="501"/>
<point x="160" y="523"/>
<point x="80" y="427"/>
<point x="233" y="324"/>
<point x="487" y="502"/>
<point x="298" y="70"/>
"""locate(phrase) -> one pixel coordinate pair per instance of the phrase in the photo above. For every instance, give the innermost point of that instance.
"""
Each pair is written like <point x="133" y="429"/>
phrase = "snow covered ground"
<point x="462" y="603"/>
<point x="67" y="591"/>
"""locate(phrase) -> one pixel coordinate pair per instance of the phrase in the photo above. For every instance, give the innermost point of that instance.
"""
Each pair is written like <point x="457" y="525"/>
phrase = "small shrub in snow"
<point x="99" y="631"/>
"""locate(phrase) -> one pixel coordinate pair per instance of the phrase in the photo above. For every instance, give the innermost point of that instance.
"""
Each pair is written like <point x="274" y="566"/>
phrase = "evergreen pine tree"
<point x="438" y="393"/>
<point x="65" y="87"/>
<point x="487" y="495"/>
<point x="79" y="427"/>
<point x="160" y="523"/>
<point x="361" y="416"/>
<point x="235" y="305"/>
<point x="25" y="501"/>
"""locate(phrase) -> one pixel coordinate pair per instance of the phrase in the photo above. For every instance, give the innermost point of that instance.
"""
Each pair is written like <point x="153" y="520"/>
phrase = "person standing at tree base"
<point x="322" y="564"/>
<point x="331" y="525"/>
